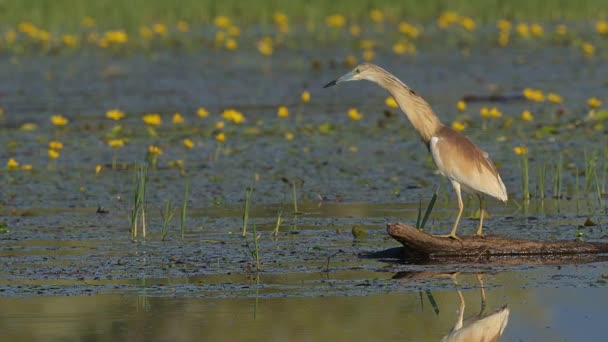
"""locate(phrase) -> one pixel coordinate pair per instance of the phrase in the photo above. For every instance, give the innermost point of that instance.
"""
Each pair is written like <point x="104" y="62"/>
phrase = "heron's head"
<point x="365" y="71"/>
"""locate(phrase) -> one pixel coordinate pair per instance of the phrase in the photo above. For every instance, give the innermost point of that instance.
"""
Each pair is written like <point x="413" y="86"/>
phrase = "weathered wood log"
<point x="425" y="245"/>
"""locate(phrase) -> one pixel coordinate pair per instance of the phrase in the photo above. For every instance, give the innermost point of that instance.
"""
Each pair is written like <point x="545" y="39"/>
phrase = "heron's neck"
<point x="417" y="110"/>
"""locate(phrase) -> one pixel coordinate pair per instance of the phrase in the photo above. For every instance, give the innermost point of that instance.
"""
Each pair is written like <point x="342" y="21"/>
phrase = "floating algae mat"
<point x="75" y="125"/>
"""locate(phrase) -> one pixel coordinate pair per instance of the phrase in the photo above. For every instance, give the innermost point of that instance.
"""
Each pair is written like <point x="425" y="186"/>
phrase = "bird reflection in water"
<point x="483" y="327"/>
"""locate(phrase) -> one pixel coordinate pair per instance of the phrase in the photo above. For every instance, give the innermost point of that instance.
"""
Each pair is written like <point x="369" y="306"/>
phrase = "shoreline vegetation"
<point x="68" y="15"/>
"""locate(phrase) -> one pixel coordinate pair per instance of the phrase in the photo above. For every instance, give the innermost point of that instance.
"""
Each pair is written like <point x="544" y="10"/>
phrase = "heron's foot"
<point x="479" y="235"/>
<point x="451" y="236"/>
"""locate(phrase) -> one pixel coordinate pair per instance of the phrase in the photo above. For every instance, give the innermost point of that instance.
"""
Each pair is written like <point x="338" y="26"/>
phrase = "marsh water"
<point x="70" y="270"/>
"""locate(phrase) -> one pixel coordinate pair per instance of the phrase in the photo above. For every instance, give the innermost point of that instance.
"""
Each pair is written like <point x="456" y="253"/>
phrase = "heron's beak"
<point x="343" y="78"/>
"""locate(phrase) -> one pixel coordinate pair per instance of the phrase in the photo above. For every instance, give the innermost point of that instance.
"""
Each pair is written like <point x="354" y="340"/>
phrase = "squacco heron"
<point x="466" y="166"/>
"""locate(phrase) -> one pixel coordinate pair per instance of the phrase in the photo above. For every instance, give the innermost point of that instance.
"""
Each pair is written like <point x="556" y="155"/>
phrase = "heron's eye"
<point x="357" y="70"/>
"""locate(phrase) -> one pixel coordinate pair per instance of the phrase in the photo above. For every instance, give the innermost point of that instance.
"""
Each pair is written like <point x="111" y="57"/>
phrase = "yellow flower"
<point x="233" y="115"/>
<point x="503" y="25"/>
<point x="537" y="30"/>
<point x="12" y="164"/>
<point x="447" y="18"/>
<point x="350" y="61"/>
<point x="160" y="29"/>
<point x="116" y="143"/>
<point x="53" y="154"/>
<point x="458" y="126"/>
<point x="188" y="143"/>
<point x="368" y="55"/>
<point x="588" y="49"/>
<point x="404" y="47"/>
<point x="561" y="29"/>
<point x="354" y="114"/>
<point x="468" y="23"/>
<point x="202" y="112"/>
<point x="495" y="113"/>
<point x="289" y="136"/>
<point x="523" y="30"/>
<point x="519" y="150"/>
<point x="115" y="114"/>
<point x="152" y="119"/>
<point x="183" y="26"/>
<point x="280" y="18"/>
<point x="154" y="150"/>
<point x="265" y="46"/>
<point x="490" y="112"/>
<point x="534" y="94"/>
<point x="220" y="137"/>
<point x="526" y="115"/>
<point x="355" y="30"/>
<point x="55" y="145"/>
<point x="408" y="29"/>
<point x="117" y="37"/>
<point x="305" y="97"/>
<point x="59" y="120"/>
<point x="485" y="112"/>
<point x="219" y="125"/>
<point x="177" y="119"/>
<point x="336" y="20"/>
<point x="376" y="15"/>
<point x="461" y="106"/>
<point x="283" y="112"/>
<point x="26" y="167"/>
<point x="390" y="102"/>
<point x="69" y="40"/>
<point x="594" y="102"/>
<point x="503" y="38"/>
<point x="28" y="127"/>
<point x="222" y="21"/>
<point x="231" y="44"/>
<point x="98" y="168"/>
<point x="601" y="27"/>
<point x="554" y="98"/>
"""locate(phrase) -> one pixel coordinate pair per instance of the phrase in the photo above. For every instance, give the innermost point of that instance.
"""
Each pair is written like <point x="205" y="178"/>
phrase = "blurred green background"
<point x="130" y="14"/>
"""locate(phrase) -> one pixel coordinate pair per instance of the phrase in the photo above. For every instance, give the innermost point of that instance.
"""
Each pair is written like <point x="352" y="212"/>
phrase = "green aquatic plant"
<point x="182" y="217"/>
<point x="167" y="215"/>
<point x="138" y="201"/>
<point x="277" y="226"/>
<point x="248" y="193"/>
<point x="421" y="221"/>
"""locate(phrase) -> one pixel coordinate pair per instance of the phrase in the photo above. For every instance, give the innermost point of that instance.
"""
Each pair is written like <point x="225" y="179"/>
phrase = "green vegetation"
<point x="138" y="204"/>
<point x="130" y="15"/>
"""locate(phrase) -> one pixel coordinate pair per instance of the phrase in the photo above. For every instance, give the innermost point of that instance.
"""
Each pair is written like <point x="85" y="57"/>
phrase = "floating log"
<point x="421" y="244"/>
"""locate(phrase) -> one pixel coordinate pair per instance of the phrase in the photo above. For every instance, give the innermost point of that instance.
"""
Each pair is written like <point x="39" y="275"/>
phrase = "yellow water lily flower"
<point x="594" y="102"/>
<point x="526" y="115"/>
<point x="152" y="119"/>
<point x="188" y="143"/>
<point x="59" y="120"/>
<point x="305" y="97"/>
<point x="354" y="114"/>
<point x="461" y="106"/>
<point x="55" y="145"/>
<point x="390" y="102"/>
<point x="519" y="150"/>
<point x="282" y="112"/>
<point x="115" y="114"/>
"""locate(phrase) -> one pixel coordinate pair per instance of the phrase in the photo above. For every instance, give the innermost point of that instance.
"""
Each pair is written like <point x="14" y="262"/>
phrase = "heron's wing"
<point x="462" y="161"/>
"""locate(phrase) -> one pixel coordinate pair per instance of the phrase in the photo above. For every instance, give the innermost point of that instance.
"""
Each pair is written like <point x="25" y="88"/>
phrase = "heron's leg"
<point x="460" y="319"/>
<point x="452" y="234"/>
<point x="456" y="186"/>
<point x="480" y="228"/>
